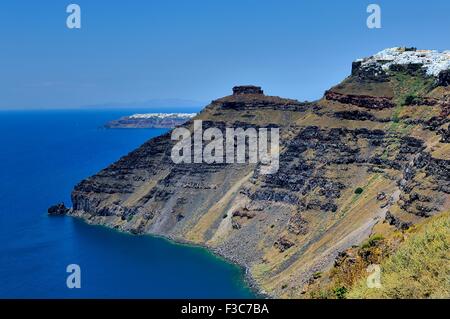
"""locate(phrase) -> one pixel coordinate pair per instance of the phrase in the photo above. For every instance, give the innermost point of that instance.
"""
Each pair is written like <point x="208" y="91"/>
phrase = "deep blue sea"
<point x="43" y="154"/>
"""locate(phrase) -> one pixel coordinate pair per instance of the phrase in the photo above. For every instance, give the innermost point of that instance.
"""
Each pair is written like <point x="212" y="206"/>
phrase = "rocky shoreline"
<point x="247" y="276"/>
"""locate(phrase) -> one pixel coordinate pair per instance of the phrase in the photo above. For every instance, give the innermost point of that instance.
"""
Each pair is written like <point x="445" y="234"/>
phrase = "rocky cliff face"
<point x="374" y="150"/>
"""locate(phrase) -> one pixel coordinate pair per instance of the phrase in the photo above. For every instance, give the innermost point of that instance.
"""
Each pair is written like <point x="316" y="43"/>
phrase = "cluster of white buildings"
<point x="433" y="61"/>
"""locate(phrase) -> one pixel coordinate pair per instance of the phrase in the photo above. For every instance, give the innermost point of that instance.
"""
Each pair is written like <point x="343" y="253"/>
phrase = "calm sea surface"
<point x="43" y="154"/>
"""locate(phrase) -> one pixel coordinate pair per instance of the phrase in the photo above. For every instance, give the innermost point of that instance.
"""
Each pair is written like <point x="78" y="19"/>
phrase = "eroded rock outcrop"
<point x="365" y="101"/>
<point x="247" y="89"/>
<point x="58" y="210"/>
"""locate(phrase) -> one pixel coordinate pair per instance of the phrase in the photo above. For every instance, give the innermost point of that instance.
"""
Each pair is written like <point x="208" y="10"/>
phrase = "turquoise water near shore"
<point x="43" y="154"/>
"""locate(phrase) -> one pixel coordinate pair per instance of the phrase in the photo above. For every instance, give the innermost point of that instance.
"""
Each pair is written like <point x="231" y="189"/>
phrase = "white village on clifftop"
<point x="434" y="62"/>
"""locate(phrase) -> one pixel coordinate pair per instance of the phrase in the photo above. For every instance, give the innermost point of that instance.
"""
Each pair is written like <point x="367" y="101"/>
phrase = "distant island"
<point x="151" y="120"/>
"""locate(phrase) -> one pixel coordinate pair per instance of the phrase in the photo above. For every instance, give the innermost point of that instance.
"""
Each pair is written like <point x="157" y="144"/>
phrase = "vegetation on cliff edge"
<point x="420" y="268"/>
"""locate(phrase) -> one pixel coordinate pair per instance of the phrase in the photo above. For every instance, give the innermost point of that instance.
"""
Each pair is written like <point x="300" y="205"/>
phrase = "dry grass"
<point x="420" y="268"/>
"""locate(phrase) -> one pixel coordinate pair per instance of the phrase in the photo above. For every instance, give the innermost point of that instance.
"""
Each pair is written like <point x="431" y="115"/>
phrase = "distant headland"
<point x="151" y="120"/>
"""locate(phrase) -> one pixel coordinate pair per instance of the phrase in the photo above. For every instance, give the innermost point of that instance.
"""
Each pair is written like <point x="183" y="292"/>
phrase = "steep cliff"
<point x="373" y="151"/>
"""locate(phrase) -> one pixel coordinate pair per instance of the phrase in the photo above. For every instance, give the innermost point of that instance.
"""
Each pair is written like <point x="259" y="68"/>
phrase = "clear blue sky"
<point x="198" y="49"/>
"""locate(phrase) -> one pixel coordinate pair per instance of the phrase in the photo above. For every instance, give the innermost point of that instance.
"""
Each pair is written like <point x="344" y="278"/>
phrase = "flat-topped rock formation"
<point x="247" y="89"/>
<point x="253" y="97"/>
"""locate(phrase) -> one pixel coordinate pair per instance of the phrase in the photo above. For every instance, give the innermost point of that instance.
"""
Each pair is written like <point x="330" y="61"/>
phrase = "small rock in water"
<point x="58" y="210"/>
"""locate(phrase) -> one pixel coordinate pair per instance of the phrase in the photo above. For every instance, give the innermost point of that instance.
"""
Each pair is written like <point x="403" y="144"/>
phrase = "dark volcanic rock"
<point x="248" y="102"/>
<point x="394" y="221"/>
<point x="444" y="78"/>
<point x="445" y="133"/>
<point x="297" y="225"/>
<point x="366" y="101"/>
<point x="244" y="213"/>
<point x="283" y="244"/>
<point x="58" y="210"/>
<point x="411" y="69"/>
<point x="369" y="73"/>
<point x="381" y="196"/>
<point x="355" y="115"/>
<point x="247" y="89"/>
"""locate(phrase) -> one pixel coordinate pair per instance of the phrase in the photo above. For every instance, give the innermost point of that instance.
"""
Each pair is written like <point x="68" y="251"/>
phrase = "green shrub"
<point x="372" y="241"/>
<point x="395" y="119"/>
<point x="340" y="292"/>
<point x="317" y="275"/>
<point x="411" y="99"/>
<point x="359" y="190"/>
